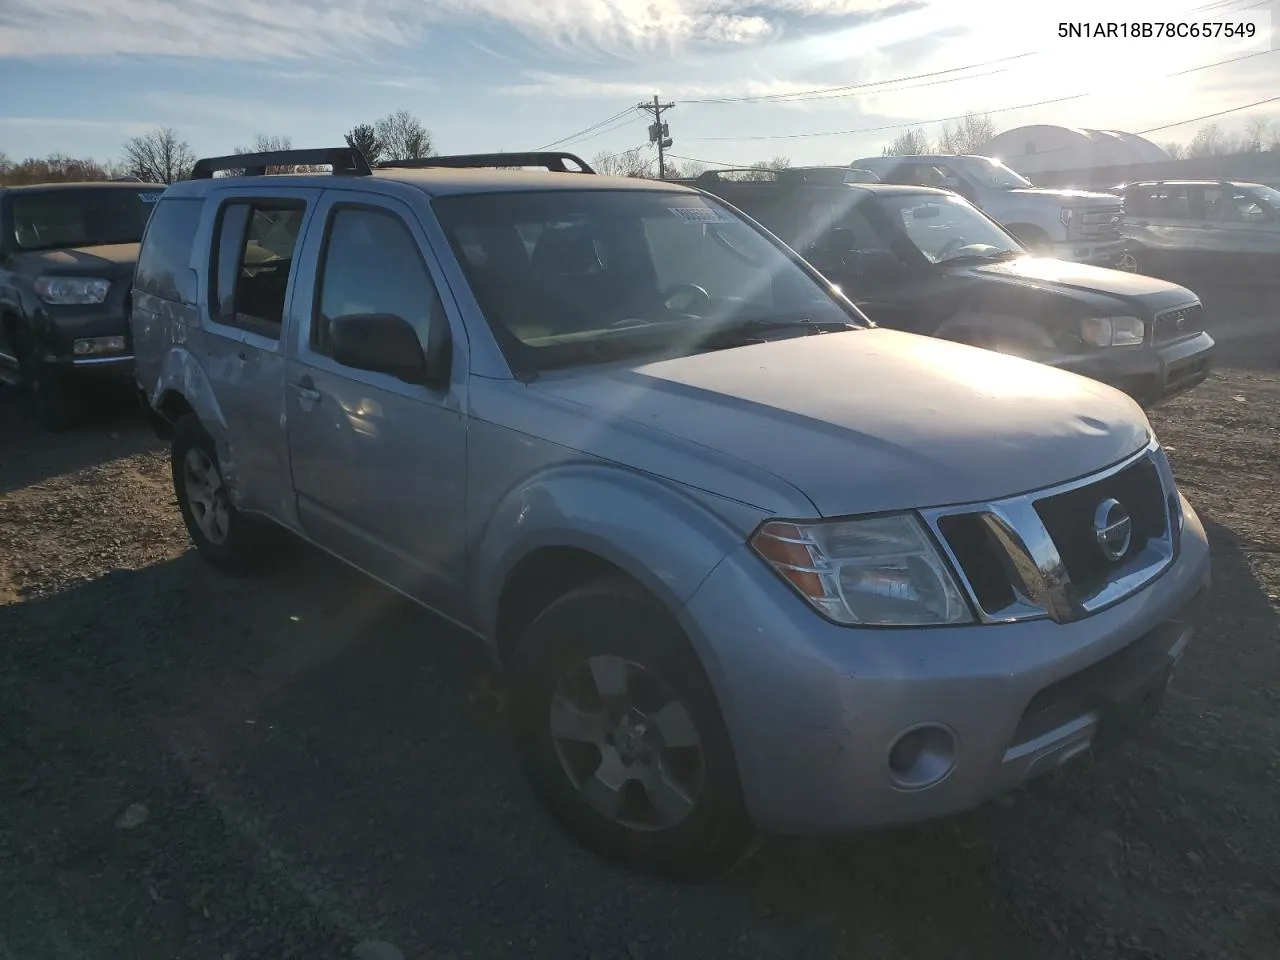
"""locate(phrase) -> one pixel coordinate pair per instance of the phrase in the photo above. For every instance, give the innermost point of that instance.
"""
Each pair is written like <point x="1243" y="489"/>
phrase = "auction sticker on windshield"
<point x="701" y="215"/>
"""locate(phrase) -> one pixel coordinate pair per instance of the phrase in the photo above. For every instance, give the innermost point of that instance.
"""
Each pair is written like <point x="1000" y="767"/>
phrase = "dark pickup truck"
<point x="67" y="257"/>
<point x="927" y="261"/>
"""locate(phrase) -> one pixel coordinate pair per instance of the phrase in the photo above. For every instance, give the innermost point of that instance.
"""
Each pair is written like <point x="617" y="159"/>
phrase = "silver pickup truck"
<point x="747" y="560"/>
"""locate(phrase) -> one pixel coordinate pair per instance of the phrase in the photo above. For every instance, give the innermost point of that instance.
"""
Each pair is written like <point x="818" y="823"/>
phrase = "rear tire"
<point x="621" y="736"/>
<point x="225" y="538"/>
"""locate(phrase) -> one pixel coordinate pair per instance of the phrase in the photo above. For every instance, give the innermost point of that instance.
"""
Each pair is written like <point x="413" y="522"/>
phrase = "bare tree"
<point x="692" y="169"/>
<point x="1174" y="148"/>
<point x="765" y="169"/>
<point x="1257" y="135"/>
<point x="628" y="163"/>
<point x="364" y="137"/>
<point x="968" y="136"/>
<point x="160" y="156"/>
<point x="1211" y="141"/>
<point x="909" y="143"/>
<point x="55" y="168"/>
<point x="403" y="137"/>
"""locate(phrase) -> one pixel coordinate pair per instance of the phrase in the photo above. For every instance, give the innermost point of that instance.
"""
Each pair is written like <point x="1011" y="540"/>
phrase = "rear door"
<point x="1164" y="221"/>
<point x="379" y="465"/>
<point x="257" y="232"/>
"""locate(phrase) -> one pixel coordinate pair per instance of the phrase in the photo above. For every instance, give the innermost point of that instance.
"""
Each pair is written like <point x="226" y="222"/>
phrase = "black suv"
<point x="926" y="260"/>
<point x="67" y="257"/>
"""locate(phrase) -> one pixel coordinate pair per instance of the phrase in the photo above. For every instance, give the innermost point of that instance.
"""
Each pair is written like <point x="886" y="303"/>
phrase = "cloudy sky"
<point x="81" y="75"/>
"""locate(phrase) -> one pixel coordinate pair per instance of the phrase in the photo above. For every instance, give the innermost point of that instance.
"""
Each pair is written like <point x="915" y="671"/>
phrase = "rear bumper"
<point x="1149" y="374"/>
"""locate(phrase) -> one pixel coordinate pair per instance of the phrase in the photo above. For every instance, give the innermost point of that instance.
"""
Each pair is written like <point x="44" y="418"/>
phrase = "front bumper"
<point x="63" y="325"/>
<point x="814" y="709"/>
<point x="1101" y="253"/>
<point x="1149" y="374"/>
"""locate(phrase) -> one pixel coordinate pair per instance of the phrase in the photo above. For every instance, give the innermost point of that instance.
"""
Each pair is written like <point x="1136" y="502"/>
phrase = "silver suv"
<point x="747" y="560"/>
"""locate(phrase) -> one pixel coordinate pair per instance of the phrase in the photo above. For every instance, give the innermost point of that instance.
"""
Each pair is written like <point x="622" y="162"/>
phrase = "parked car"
<point x="67" y="257"/>
<point x="747" y="560"/>
<point x="1209" y="228"/>
<point x="926" y="261"/>
<point x="1076" y="225"/>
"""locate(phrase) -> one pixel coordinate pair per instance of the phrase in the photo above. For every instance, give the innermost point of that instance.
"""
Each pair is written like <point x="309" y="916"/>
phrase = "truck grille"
<point x="1101" y="223"/>
<point x="1040" y="554"/>
<point x="1175" y="324"/>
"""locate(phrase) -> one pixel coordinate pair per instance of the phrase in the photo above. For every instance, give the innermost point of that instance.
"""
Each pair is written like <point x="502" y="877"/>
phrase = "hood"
<point x="1082" y="195"/>
<point x="1064" y="274"/>
<point x="875" y="419"/>
<point x="111" y="261"/>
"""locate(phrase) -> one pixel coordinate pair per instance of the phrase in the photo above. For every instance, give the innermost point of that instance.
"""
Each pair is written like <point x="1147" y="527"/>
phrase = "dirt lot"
<point x="197" y="767"/>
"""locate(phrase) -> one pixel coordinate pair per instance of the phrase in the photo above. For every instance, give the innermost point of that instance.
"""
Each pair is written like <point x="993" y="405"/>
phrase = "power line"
<point x="817" y="92"/>
<point x="574" y="136"/>
<point x="1166" y="126"/>
<point x="921" y="123"/>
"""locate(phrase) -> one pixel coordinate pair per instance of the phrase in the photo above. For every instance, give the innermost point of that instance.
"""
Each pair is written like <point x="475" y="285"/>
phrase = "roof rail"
<point x="553" y="161"/>
<point x="713" y="176"/>
<point x="346" y="162"/>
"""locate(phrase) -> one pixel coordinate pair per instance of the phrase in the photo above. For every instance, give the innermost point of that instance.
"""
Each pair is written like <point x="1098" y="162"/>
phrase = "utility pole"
<point x="658" y="132"/>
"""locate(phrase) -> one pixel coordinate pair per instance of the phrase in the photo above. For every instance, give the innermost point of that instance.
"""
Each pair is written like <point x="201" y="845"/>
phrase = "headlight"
<point x="1065" y="215"/>
<point x="71" y="289"/>
<point x="1113" y="331"/>
<point x="880" y="571"/>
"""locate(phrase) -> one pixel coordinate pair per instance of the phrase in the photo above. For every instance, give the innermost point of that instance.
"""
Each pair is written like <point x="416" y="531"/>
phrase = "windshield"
<point x="1270" y="195"/>
<point x="577" y="276"/>
<point x="945" y="228"/>
<point x="996" y="176"/>
<point x="81" y="216"/>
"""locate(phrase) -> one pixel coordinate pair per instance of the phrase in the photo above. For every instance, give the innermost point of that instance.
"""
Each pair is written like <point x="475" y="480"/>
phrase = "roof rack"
<point x="819" y="176"/>
<point x="553" y="161"/>
<point x="345" y="161"/>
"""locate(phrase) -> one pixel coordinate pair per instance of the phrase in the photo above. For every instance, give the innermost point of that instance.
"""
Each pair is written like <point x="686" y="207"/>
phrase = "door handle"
<point x="307" y="391"/>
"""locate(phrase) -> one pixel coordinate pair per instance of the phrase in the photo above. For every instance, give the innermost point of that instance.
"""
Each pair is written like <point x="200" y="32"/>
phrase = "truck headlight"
<point x="1066" y="215"/>
<point x="1113" y="331"/>
<point x="72" y="289"/>
<point x="879" y="571"/>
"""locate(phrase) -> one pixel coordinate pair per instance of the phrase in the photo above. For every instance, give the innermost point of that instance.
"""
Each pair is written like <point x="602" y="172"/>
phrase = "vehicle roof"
<point x="1193" y="183"/>
<point x="921" y="157"/>
<point x="442" y="181"/>
<point x="876" y="189"/>
<point x="81" y="184"/>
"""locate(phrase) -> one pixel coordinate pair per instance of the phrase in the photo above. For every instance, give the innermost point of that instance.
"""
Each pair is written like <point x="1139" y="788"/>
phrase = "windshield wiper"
<point x="983" y="257"/>
<point x="751" y="331"/>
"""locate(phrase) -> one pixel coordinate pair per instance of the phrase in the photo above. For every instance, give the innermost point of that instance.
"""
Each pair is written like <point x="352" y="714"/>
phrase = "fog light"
<point x="922" y="756"/>
<point x="97" y="346"/>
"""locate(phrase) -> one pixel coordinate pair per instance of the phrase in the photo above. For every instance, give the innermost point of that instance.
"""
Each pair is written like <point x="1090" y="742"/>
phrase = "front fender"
<point x="1004" y="328"/>
<point x="664" y="536"/>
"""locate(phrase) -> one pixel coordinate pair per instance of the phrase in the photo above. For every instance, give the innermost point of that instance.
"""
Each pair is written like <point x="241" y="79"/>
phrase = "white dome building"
<point x="1041" y="148"/>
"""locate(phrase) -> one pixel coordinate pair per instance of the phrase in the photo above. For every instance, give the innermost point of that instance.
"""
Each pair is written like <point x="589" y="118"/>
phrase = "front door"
<point x="379" y="465"/>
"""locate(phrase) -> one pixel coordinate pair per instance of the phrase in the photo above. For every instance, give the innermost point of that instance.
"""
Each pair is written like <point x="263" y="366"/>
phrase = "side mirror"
<point x="386" y="343"/>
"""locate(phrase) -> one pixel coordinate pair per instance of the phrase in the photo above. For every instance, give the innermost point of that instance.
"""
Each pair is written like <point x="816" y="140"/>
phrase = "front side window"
<point x="254" y="245"/>
<point x="1230" y="205"/>
<point x="566" y="276"/>
<point x="372" y="264"/>
<point x="66" y="217"/>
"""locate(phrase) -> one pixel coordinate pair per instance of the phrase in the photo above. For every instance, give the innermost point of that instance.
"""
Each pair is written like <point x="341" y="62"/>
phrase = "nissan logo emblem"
<point x="1112" y="529"/>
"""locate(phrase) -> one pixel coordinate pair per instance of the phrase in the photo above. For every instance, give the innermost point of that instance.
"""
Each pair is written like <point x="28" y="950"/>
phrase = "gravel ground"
<point x="198" y="767"/>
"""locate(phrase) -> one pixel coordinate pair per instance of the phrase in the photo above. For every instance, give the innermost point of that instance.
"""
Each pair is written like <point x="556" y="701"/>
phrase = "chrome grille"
<point x="1101" y="223"/>
<point x="1037" y="555"/>
<point x="1175" y="324"/>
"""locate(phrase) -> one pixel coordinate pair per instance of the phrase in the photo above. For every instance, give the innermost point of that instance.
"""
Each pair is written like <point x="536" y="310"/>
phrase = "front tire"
<point x="621" y="736"/>
<point x="225" y="538"/>
<point x="54" y="401"/>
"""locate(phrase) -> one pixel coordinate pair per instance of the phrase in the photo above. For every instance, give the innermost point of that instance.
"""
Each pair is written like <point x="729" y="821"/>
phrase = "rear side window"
<point x="253" y="248"/>
<point x="165" y="260"/>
